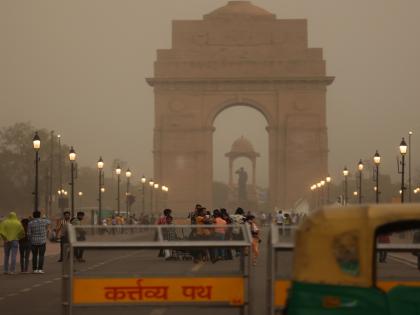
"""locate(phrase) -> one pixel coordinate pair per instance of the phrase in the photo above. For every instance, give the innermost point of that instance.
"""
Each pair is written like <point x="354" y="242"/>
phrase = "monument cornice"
<point x="315" y="80"/>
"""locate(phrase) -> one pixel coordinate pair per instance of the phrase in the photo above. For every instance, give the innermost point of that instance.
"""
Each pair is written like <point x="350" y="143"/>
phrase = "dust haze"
<point x="79" y="67"/>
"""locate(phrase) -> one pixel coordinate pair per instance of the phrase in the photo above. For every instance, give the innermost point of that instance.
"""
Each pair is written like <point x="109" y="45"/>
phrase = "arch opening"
<point x="240" y="128"/>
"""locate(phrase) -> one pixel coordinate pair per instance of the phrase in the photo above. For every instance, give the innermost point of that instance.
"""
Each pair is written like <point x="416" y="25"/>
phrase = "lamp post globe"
<point x="403" y="147"/>
<point x="36" y="142"/>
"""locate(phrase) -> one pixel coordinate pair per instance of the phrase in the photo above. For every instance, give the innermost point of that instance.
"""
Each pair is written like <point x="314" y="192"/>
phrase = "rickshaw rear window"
<point x="346" y="251"/>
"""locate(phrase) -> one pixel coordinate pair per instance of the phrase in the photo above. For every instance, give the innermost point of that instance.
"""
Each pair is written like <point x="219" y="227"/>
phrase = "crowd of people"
<point x="29" y="236"/>
<point x="216" y="225"/>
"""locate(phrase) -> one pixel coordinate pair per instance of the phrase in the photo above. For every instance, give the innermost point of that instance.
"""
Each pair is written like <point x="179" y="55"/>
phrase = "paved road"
<point x="28" y="294"/>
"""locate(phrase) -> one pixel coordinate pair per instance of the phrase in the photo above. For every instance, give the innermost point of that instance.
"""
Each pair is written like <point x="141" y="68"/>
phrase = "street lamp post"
<point x="72" y="158"/>
<point x="410" y="133"/>
<point x="377" y="161"/>
<point x="345" y="174"/>
<point x="403" y="151"/>
<point x="80" y="194"/>
<point x="322" y="182"/>
<point x="143" y="182"/>
<point x="360" y="169"/>
<point x="36" y="141"/>
<point x="328" y="181"/>
<point x="100" y="167"/>
<point x="313" y="188"/>
<point x="118" y="172"/>
<point x="151" y="184"/>
<point x="156" y="186"/>
<point x="128" y="175"/>
<point x="164" y="193"/>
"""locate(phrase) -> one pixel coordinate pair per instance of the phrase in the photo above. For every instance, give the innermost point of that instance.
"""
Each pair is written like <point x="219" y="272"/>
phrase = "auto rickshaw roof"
<point x="334" y="245"/>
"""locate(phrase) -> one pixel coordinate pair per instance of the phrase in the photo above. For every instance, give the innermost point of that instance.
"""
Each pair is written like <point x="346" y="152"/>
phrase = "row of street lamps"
<point x="403" y="148"/>
<point x="360" y="168"/>
<point x="320" y="188"/>
<point x="101" y="189"/>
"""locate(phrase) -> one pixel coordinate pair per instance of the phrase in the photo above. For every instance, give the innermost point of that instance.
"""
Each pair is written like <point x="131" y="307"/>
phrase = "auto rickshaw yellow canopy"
<point x="335" y="245"/>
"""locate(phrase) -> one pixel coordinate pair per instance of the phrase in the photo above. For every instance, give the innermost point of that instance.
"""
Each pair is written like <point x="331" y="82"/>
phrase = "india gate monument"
<point x="239" y="55"/>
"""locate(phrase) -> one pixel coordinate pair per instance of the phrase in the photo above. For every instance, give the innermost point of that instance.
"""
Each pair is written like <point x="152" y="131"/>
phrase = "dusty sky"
<point x="78" y="67"/>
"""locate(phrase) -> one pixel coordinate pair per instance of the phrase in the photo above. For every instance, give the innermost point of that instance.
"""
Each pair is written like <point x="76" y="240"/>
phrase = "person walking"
<point x="11" y="230"/>
<point x="61" y="233"/>
<point x="24" y="248"/>
<point x="38" y="233"/>
<point x="255" y="232"/>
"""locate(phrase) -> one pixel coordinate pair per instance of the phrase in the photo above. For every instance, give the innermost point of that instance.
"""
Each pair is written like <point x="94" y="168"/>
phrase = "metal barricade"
<point x="124" y="268"/>
<point x="281" y="244"/>
<point x="281" y="240"/>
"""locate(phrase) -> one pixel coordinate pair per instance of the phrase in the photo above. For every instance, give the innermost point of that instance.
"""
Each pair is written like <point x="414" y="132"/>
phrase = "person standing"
<point x="37" y="233"/>
<point x="24" y="248"/>
<point x="61" y="233"/>
<point x="219" y="234"/>
<point x="80" y="236"/>
<point x="11" y="230"/>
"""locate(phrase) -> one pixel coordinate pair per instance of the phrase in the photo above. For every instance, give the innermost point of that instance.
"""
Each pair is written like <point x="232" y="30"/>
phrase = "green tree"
<point x="17" y="167"/>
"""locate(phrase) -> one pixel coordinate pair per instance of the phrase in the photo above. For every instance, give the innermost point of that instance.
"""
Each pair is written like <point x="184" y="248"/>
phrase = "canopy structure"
<point x="345" y="239"/>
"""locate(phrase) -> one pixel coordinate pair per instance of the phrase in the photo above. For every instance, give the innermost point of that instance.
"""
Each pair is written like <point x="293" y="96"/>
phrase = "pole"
<point x="60" y="162"/>
<point x="36" y="181"/>
<point x="345" y="191"/>
<point x="143" y="199"/>
<point x="119" y="193"/>
<point x="100" y="197"/>
<point x="409" y="166"/>
<point x="402" y="177"/>
<point x="72" y="187"/>
<point x="50" y="188"/>
<point x="127" y="198"/>
<point x="328" y="193"/>
<point x="360" y="187"/>
<point x="377" y="184"/>
<point x="151" y="200"/>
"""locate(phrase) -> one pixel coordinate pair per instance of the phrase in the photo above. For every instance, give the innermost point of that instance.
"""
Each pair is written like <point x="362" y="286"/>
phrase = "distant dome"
<point x="242" y="145"/>
<point x="239" y="9"/>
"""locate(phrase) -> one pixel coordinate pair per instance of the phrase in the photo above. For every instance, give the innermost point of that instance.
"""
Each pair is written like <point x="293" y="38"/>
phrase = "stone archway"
<point x="239" y="55"/>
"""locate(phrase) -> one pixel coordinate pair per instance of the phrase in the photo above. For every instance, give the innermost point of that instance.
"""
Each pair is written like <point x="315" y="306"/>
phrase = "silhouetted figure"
<point x="242" y="180"/>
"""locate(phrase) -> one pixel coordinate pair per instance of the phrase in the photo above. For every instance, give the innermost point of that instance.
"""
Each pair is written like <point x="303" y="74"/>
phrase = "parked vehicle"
<point x="334" y="268"/>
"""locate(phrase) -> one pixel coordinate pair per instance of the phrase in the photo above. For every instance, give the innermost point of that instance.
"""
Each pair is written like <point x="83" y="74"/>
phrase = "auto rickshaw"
<point x="334" y="266"/>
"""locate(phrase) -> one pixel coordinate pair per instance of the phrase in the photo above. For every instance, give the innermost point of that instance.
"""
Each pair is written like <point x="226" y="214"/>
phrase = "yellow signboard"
<point x="158" y="290"/>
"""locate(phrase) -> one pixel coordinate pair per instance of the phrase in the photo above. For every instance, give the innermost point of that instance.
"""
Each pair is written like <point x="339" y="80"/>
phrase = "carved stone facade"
<point x="239" y="55"/>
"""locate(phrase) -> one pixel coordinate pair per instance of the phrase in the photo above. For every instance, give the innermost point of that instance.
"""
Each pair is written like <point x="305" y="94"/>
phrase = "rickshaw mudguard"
<point x="322" y="299"/>
<point x="404" y="300"/>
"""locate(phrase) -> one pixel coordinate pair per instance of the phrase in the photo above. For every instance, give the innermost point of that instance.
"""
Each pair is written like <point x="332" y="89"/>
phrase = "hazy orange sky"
<point x="79" y="67"/>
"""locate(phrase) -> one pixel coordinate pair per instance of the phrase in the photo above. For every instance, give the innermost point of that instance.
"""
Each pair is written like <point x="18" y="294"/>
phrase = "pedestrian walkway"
<point x="52" y="249"/>
<point x="410" y="258"/>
